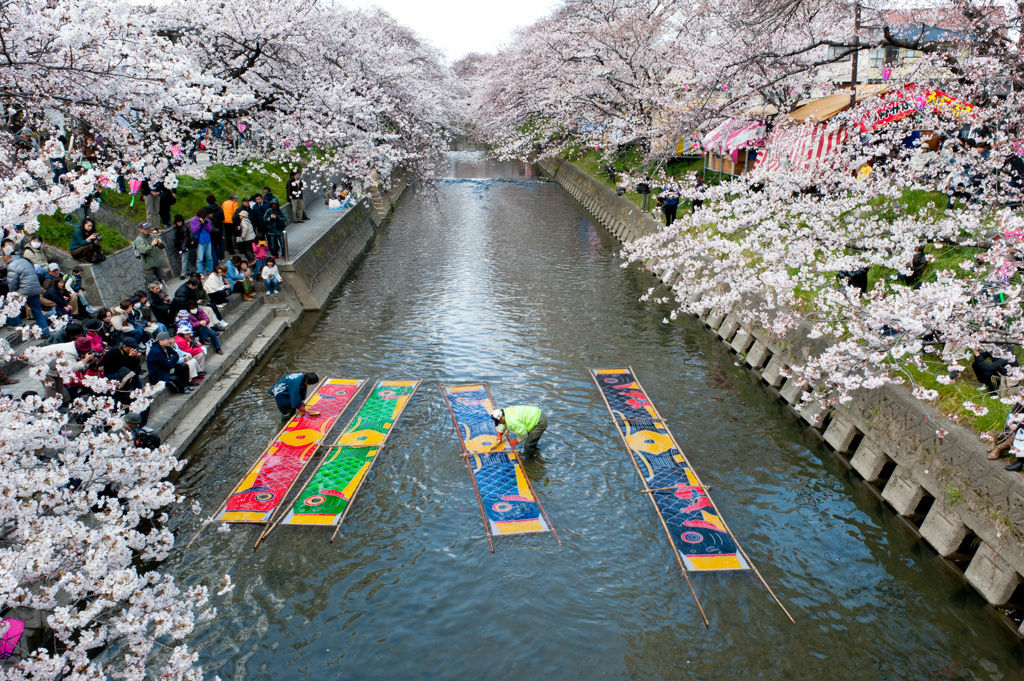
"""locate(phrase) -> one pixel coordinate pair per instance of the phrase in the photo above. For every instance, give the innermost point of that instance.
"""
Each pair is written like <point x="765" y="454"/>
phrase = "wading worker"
<point x="290" y="393"/>
<point x="525" y="421"/>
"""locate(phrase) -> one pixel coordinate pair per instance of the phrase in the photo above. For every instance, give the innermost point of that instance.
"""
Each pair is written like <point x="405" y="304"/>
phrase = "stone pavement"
<point x="304" y="234"/>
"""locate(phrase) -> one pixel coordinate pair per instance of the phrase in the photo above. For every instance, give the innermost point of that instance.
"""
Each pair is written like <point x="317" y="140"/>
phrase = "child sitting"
<point x="271" y="277"/>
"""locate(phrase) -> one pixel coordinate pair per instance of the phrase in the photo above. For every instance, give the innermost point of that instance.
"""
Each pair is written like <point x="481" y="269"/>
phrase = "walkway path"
<point x="303" y="234"/>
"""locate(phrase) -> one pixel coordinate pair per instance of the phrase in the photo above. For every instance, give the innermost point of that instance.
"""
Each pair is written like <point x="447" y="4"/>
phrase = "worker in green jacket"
<point x="525" y="421"/>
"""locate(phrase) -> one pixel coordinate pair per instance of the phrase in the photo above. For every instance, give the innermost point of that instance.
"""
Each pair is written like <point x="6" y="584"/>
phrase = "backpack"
<point x="147" y="440"/>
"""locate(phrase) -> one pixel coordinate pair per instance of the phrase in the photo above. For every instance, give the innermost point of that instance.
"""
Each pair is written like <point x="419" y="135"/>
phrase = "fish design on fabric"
<point x="703" y="524"/>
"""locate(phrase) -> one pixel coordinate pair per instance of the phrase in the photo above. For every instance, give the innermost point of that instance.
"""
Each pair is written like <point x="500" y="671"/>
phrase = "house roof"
<point x="823" y="109"/>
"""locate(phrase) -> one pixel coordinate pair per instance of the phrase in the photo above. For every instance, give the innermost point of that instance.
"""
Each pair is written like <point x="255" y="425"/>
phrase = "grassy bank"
<point x="220" y="180"/>
<point x="55" y="231"/>
<point x="631" y="161"/>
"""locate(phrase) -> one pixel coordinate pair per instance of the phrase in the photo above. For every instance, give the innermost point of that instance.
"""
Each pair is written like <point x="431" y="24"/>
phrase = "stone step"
<point x="255" y="331"/>
<point x="237" y="314"/>
<point x="187" y="426"/>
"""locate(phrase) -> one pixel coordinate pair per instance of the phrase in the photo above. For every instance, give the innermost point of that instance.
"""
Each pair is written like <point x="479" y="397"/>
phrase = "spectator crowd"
<point x="227" y="248"/>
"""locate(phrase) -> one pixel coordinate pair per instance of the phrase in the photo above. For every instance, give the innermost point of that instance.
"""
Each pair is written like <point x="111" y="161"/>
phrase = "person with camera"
<point x="137" y="432"/>
<point x="150" y="250"/>
<point x="88" y="365"/>
<point x="74" y="355"/>
<point x="85" y="243"/>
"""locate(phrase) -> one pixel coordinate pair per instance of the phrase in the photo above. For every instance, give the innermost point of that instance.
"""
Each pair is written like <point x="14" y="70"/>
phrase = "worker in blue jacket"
<point x="290" y="393"/>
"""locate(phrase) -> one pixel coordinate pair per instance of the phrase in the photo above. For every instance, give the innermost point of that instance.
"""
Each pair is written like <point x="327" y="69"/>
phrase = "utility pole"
<point x="856" y="51"/>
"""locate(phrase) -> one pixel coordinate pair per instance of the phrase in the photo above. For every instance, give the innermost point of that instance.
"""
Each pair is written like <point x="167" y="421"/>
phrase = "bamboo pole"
<point x="380" y="447"/>
<point x="721" y="518"/>
<point x="355" y="494"/>
<point x="679" y="486"/>
<point x="657" y="511"/>
<point x="480" y="503"/>
<point x="349" y="423"/>
<point x="270" y="521"/>
<point x="529" y="483"/>
<point x="280" y="516"/>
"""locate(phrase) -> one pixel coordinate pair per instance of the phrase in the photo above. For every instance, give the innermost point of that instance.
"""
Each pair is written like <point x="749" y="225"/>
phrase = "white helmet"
<point x="497" y="414"/>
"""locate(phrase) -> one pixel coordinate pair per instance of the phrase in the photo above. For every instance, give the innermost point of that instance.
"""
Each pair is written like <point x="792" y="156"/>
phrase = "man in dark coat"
<point x="290" y="393"/>
<point x="186" y="294"/>
<point x="165" y="364"/>
<point x="126" y="356"/>
<point x="167" y="199"/>
<point x="295" y="189"/>
<point x="161" y="306"/>
<point x="22" y="278"/>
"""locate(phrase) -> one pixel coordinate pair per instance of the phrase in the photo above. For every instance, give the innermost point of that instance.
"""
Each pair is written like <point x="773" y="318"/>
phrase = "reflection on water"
<point x="510" y="282"/>
<point x="473" y="164"/>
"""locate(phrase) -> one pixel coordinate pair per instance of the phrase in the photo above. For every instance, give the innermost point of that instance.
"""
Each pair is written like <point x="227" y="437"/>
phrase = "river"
<point x="499" y="277"/>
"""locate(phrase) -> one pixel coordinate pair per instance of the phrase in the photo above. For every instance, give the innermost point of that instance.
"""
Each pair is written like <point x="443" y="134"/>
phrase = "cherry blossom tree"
<point x="360" y="89"/>
<point x="82" y="515"/>
<point x="345" y="92"/>
<point x="769" y="246"/>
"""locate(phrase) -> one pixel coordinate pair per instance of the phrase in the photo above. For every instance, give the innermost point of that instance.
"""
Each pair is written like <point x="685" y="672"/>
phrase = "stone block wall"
<point x="381" y="199"/>
<point x="928" y="457"/>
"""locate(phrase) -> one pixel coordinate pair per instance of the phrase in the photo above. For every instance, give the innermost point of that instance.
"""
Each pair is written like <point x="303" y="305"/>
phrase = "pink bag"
<point x="9" y="639"/>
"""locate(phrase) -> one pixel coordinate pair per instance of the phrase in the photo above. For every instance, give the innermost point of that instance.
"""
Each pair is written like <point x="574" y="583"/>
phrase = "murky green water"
<point x="508" y="281"/>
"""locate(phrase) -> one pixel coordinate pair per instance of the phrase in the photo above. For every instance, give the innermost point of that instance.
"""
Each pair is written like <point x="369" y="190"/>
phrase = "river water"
<point x="508" y="280"/>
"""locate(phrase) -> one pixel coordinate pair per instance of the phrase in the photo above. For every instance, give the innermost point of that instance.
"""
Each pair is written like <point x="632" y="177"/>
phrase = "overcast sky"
<point x="462" y="26"/>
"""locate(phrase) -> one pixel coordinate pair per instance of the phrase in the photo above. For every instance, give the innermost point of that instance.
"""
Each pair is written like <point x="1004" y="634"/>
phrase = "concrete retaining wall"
<point x="930" y="470"/>
<point x="619" y="215"/>
<point x="313" y="274"/>
<point x="107" y="283"/>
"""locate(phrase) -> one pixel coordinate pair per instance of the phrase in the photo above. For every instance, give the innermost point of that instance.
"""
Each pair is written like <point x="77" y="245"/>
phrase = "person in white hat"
<point x="526" y="421"/>
<point x="188" y="345"/>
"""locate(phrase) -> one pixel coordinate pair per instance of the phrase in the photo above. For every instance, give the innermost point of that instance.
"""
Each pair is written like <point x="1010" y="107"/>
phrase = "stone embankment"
<point x="967" y="508"/>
